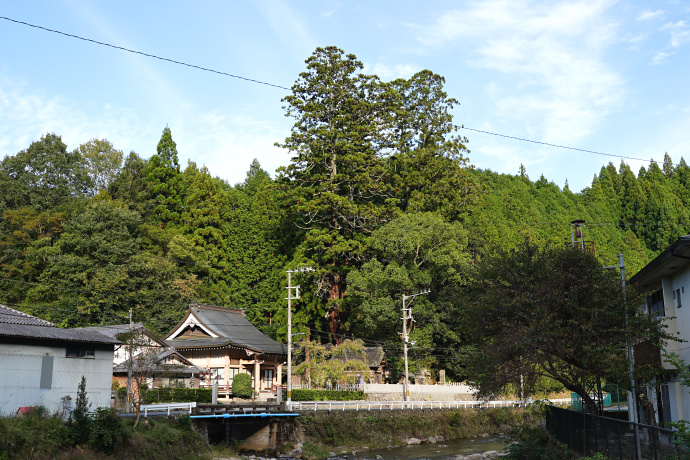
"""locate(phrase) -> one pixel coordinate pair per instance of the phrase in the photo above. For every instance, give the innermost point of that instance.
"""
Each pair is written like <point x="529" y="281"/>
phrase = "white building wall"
<point x="678" y="324"/>
<point x="20" y="377"/>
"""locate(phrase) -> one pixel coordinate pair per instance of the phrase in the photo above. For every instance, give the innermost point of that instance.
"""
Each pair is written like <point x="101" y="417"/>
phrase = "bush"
<point x="80" y="423"/>
<point x="162" y="395"/>
<point x="35" y="434"/>
<point x="326" y="395"/>
<point x="242" y="386"/>
<point x="534" y="443"/>
<point x="107" y="431"/>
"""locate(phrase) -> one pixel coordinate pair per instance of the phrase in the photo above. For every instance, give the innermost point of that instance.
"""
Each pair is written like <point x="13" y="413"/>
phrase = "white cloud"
<point x="387" y="73"/>
<point x="647" y="15"/>
<point x="679" y="31"/>
<point x="226" y="144"/>
<point x="30" y="114"/>
<point x="634" y="39"/>
<point x="661" y="57"/>
<point x="552" y="55"/>
<point x="327" y="14"/>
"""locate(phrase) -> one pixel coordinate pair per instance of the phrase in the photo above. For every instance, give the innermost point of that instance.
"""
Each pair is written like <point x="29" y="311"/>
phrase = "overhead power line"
<point x="260" y="82"/>
<point x="557" y="146"/>
<point x="206" y="69"/>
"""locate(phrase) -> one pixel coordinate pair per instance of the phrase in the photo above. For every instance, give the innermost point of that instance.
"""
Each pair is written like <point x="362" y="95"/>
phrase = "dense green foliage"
<point x="107" y="431"/>
<point x="163" y="395"/>
<point x="38" y="434"/>
<point x="377" y="195"/>
<point x="380" y="429"/>
<point x="326" y="395"/>
<point x="242" y="386"/>
<point x="329" y="365"/>
<point x="554" y="312"/>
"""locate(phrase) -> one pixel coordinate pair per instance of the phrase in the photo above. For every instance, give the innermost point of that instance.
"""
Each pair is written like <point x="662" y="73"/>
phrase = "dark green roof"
<point x="232" y="328"/>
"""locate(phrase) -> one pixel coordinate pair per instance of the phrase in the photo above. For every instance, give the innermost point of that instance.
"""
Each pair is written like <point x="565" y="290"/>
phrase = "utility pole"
<point x="128" y="408"/>
<point x="407" y="315"/>
<point x="290" y="287"/>
<point x="632" y="405"/>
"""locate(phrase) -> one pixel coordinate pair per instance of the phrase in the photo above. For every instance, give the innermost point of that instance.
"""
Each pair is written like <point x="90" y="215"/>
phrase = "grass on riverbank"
<point x="39" y="435"/>
<point x="323" y="432"/>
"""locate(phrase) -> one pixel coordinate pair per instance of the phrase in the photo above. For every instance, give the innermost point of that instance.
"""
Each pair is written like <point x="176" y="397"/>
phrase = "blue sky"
<point x="598" y="75"/>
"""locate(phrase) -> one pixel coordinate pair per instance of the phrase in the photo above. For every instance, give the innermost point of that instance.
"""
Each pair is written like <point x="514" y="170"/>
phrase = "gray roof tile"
<point x="233" y="328"/>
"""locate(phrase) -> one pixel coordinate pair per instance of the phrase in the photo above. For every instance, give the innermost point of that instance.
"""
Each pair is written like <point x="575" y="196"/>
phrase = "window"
<point x="677" y="296"/>
<point x="268" y="378"/>
<point x="664" y="403"/>
<point x="80" y="352"/>
<point x="233" y="372"/>
<point x="655" y="305"/>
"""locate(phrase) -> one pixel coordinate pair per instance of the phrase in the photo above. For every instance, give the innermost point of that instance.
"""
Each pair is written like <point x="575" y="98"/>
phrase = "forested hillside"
<point x="377" y="195"/>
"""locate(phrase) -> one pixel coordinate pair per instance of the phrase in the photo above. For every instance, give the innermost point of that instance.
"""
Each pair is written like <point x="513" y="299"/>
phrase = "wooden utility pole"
<point x="290" y="287"/>
<point x="407" y="315"/>
<point x="128" y="407"/>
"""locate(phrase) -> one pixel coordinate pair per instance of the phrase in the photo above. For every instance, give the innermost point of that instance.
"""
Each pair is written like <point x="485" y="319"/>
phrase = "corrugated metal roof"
<point x="11" y="316"/>
<point x="233" y="328"/>
<point x="113" y="330"/>
<point x="53" y="333"/>
<point x="16" y="324"/>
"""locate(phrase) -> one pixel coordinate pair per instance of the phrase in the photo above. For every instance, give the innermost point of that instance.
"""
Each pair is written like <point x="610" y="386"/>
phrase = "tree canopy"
<point x="553" y="312"/>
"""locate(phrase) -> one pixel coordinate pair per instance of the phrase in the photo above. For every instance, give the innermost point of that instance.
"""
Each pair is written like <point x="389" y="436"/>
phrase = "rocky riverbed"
<point x="433" y="448"/>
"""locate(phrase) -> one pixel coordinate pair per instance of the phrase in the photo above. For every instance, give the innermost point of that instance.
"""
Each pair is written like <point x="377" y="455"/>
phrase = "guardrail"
<point x="188" y="406"/>
<point x="407" y="405"/>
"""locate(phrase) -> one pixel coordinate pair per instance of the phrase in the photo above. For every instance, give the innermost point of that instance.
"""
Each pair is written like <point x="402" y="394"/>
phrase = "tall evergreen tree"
<point x="339" y="185"/>
<point x="166" y="180"/>
<point x="428" y="159"/>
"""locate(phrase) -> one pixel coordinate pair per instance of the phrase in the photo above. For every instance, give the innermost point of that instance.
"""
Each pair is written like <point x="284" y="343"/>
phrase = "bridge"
<point x="262" y="425"/>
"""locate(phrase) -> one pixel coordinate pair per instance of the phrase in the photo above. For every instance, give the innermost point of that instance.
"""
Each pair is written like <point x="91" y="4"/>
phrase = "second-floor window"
<point x="80" y="352"/>
<point x="655" y="305"/>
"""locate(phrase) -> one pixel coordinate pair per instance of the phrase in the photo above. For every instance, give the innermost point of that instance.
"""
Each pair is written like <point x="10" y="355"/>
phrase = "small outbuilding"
<point x="42" y="365"/>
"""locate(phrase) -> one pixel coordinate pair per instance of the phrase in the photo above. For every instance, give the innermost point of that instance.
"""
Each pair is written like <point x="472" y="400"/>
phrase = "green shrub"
<point x="35" y="434"/>
<point x="242" y="386"/>
<point x="162" y="395"/>
<point x="107" y="431"/>
<point x="534" y="443"/>
<point x="80" y="422"/>
<point x="326" y="395"/>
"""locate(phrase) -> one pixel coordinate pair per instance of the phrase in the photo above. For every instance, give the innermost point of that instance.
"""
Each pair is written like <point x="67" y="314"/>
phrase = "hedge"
<point x="242" y="386"/>
<point x="200" y="395"/>
<point x="326" y="395"/>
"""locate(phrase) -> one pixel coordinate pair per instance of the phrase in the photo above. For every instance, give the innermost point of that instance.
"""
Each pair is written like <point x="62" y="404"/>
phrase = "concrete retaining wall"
<point x="394" y="392"/>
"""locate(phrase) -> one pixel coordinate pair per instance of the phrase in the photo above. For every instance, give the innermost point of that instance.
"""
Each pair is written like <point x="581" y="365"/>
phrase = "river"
<point x="440" y="451"/>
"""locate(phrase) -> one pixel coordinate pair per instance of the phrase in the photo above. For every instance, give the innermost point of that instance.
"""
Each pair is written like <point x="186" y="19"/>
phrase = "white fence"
<point x="406" y="405"/>
<point x="188" y="406"/>
<point x="459" y="388"/>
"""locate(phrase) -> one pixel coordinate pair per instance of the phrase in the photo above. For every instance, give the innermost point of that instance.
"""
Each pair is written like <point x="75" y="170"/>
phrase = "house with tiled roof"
<point x="41" y="364"/>
<point x="224" y="343"/>
<point x="166" y="367"/>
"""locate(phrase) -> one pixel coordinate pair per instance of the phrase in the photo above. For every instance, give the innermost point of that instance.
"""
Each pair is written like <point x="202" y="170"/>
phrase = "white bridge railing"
<point x="406" y="405"/>
<point x="188" y="406"/>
